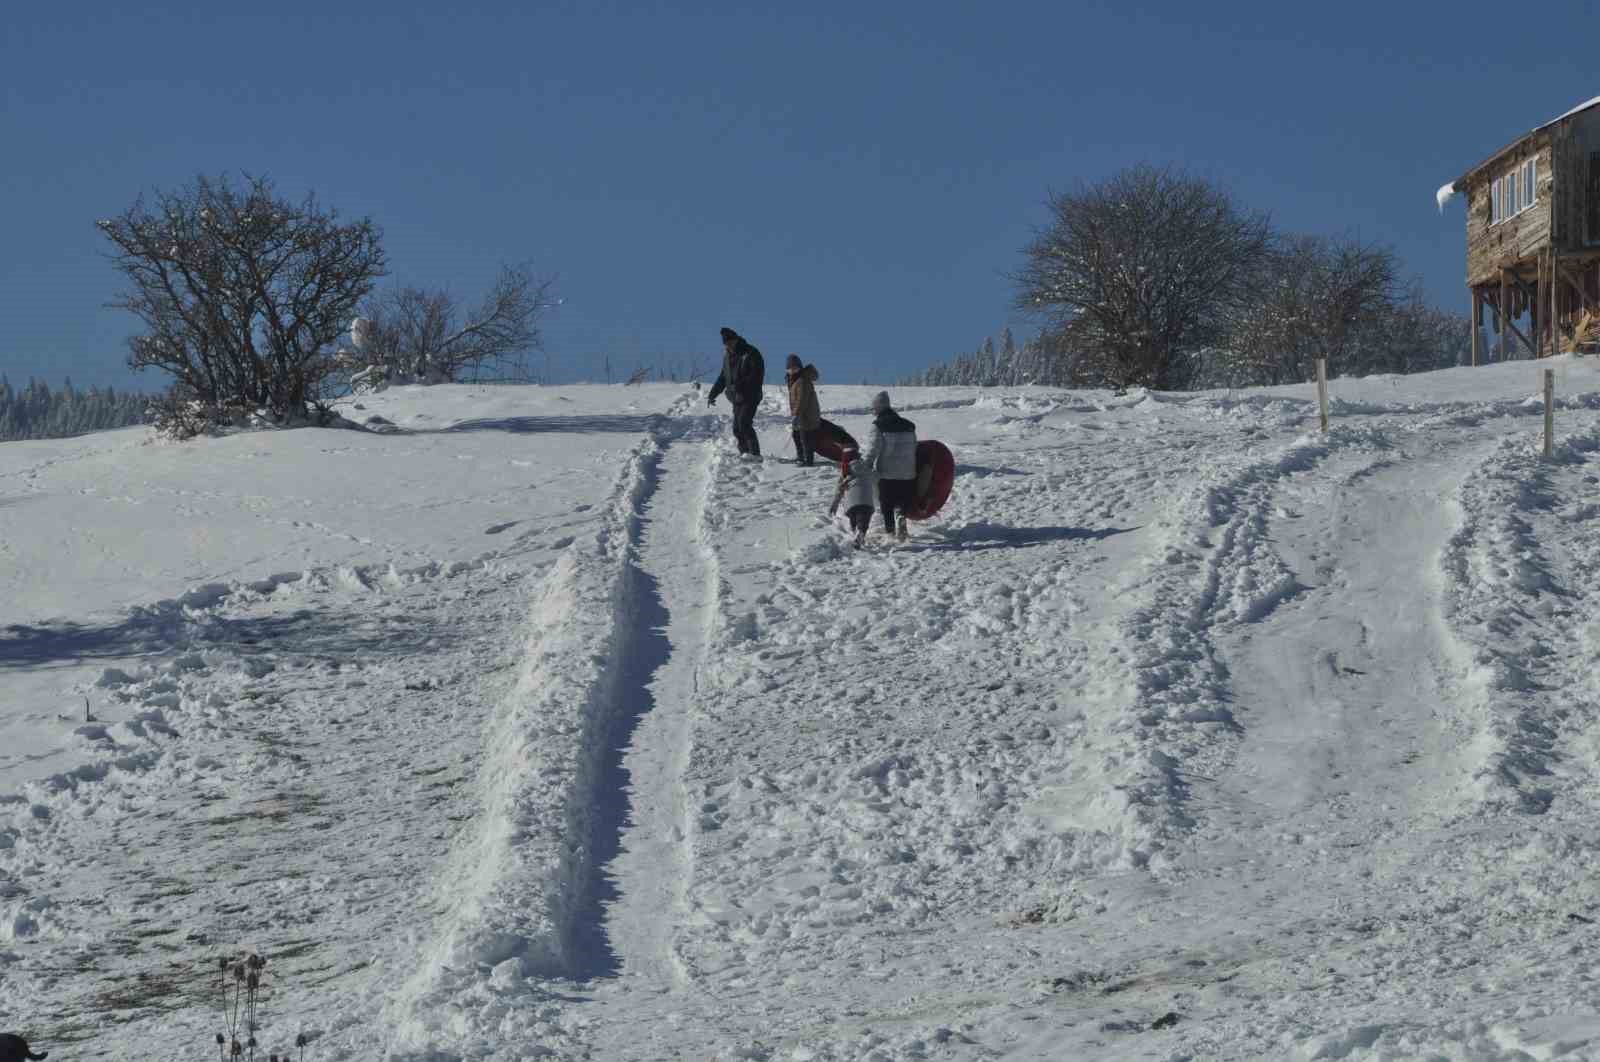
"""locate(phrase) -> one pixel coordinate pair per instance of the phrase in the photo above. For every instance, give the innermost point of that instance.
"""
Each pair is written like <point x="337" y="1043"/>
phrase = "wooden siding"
<point x="1566" y="216"/>
<point x="1517" y="239"/>
<point x="1579" y="221"/>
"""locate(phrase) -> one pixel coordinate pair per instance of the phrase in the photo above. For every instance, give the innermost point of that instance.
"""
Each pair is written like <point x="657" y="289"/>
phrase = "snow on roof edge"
<point x="1536" y="129"/>
<point x="1580" y="107"/>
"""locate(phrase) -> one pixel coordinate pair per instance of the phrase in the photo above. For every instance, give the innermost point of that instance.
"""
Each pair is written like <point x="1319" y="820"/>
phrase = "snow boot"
<point x="900" y="529"/>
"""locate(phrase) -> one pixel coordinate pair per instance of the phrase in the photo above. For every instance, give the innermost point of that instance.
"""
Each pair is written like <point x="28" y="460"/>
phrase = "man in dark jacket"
<point x="892" y="457"/>
<point x="743" y="373"/>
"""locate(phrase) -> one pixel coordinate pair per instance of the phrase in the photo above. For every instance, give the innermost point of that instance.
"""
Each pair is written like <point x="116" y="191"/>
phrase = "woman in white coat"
<point x="892" y="457"/>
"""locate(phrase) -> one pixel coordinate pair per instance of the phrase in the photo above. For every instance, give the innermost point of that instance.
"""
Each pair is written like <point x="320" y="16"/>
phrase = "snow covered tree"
<point x="1039" y="361"/>
<point x="243" y="295"/>
<point x="1142" y="272"/>
<point x="419" y="335"/>
<point x="40" y="413"/>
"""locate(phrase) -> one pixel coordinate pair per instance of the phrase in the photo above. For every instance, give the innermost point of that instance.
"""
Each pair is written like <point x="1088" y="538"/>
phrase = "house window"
<point x="1513" y="193"/>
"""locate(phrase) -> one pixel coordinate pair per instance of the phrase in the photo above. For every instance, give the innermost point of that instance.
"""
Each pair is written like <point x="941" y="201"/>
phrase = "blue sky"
<point x="850" y="181"/>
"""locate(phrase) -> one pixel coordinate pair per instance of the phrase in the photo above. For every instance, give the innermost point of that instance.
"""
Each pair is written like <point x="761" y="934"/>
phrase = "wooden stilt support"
<point x="1476" y="317"/>
<point x="1535" y="318"/>
<point x="1514" y="330"/>
<point x="1501" y="316"/>
<point x="1555" y="301"/>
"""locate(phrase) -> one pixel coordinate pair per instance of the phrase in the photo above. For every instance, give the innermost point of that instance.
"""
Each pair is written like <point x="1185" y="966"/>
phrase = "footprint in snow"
<point x="497" y="528"/>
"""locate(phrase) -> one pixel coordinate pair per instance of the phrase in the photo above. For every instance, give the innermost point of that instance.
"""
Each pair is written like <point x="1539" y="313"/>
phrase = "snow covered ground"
<point x="541" y="724"/>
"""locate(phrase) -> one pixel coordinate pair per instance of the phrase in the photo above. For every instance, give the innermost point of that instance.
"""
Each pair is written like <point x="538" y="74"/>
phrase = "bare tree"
<point x="1315" y="299"/>
<point x="1409" y="336"/>
<point x="422" y="335"/>
<point x="1142" y="272"/>
<point x="244" y="296"/>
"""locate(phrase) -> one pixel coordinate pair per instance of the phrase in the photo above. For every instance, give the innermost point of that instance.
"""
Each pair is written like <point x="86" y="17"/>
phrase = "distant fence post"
<point x="1549" y="411"/>
<point x="1322" y="391"/>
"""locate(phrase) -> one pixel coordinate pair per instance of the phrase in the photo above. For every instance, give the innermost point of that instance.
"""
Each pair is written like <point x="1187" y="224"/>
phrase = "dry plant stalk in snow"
<point x="244" y="977"/>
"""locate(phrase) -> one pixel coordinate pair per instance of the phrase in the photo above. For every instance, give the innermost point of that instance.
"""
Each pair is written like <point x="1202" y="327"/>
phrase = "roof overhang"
<point x="1461" y="182"/>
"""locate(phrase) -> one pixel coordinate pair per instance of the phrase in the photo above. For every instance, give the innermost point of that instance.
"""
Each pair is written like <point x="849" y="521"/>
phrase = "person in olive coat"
<point x="804" y="409"/>
<point x="743" y="374"/>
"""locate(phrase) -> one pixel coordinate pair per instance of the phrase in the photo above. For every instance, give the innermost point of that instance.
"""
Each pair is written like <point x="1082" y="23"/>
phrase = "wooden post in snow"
<point x="1322" y="391"/>
<point x="1549" y="411"/>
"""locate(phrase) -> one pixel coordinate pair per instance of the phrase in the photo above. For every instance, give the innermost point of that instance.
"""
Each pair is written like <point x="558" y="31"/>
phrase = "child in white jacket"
<point x="858" y="490"/>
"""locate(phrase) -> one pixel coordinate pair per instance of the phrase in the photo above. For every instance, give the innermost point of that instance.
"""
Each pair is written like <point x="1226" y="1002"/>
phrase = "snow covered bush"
<point x="179" y="415"/>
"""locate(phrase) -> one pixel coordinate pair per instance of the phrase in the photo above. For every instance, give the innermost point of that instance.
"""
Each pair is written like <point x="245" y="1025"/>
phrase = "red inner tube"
<point x="937" y="466"/>
<point x="832" y="441"/>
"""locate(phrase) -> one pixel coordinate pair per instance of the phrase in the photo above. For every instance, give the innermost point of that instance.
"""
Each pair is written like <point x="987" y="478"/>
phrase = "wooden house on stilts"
<point x="1533" y="235"/>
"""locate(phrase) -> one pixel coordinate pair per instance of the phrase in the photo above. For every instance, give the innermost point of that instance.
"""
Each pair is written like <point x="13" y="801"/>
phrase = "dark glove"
<point x="711" y="400"/>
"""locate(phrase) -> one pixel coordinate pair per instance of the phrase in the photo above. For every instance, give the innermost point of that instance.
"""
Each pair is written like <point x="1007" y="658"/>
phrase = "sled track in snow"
<point x="643" y="832"/>
<point x="527" y="891"/>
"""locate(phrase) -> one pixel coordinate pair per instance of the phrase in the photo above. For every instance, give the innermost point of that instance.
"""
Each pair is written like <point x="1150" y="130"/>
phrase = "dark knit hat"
<point x="728" y="335"/>
<point x="793" y="361"/>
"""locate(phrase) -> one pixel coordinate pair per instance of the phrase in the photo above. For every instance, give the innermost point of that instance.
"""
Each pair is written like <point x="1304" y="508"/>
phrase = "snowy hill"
<point x="543" y="725"/>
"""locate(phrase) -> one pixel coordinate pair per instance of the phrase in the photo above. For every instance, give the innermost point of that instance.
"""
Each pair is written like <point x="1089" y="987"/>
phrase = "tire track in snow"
<point x="1399" y="880"/>
<point x="1345" y="688"/>
<point x="1165" y="713"/>
<point x="1518" y="598"/>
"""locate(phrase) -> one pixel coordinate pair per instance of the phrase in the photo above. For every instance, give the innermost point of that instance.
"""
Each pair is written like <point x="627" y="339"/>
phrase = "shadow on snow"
<point x="622" y="423"/>
<point x="984" y="471"/>
<point x="998" y="536"/>
<point x="306" y="632"/>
